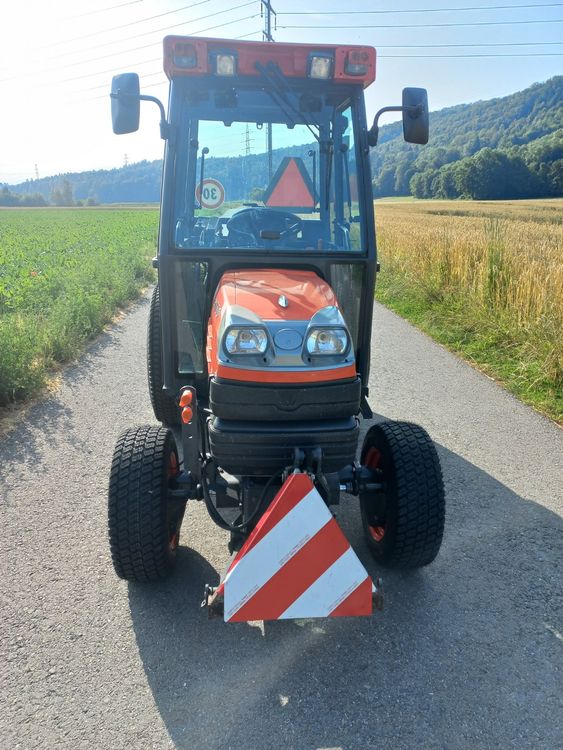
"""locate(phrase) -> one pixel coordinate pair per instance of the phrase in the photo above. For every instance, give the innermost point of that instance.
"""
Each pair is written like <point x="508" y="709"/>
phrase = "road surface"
<point x="467" y="654"/>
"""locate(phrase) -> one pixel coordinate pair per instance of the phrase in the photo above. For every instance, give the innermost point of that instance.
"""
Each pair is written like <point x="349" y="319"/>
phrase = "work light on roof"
<point x="320" y="66"/>
<point x="225" y="64"/>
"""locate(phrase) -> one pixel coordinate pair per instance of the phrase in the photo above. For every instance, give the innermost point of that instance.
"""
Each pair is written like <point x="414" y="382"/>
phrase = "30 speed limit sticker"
<point x="212" y="193"/>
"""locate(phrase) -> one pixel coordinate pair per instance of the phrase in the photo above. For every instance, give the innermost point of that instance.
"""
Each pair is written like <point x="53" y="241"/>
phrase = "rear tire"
<point x="404" y="524"/>
<point x="164" y="407"/>
<point x="144" y="526"/>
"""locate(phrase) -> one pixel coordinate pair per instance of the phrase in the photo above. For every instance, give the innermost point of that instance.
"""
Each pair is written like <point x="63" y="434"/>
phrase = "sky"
<point x="57" y="60"/>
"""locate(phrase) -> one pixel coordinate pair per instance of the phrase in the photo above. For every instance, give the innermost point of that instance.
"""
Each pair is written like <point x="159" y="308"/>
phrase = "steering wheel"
<point x="246" y="226"/>
<point x="293" y="229"/>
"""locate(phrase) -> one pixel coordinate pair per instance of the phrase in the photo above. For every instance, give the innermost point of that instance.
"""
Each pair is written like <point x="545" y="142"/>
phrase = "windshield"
<point x="273" y="168"/>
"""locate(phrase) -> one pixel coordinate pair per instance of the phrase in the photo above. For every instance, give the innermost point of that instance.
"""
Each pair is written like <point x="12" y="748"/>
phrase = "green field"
<point x="63" y="274"/>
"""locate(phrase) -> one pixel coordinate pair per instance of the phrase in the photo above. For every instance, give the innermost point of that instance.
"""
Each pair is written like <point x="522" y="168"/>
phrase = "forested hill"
<point x="511" y="147"/>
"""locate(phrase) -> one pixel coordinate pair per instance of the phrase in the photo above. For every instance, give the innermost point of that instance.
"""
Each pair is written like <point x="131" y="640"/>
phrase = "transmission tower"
<point x="247" y="141"/>
<point x="266" y="12"/>
<point x="36" y="172"/>
<point x="125" y="160"/>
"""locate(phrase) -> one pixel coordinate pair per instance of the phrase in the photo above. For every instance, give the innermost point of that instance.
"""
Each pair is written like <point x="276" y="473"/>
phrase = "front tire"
<point x="143" y="524"/>
<point x="403" y="524"/>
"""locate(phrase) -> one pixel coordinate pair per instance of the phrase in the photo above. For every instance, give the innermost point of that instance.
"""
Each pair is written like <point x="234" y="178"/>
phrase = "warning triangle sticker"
<point x="296" y="563"/>
<point x="291" y="186"/>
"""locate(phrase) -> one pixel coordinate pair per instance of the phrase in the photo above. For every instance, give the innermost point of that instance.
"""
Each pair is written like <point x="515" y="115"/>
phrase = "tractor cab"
<point x="260" y="324"/>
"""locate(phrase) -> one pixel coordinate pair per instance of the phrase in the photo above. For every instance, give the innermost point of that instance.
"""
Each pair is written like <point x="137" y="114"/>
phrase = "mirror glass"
<point x="125" y="103"/>
<point x="415" y="118"/>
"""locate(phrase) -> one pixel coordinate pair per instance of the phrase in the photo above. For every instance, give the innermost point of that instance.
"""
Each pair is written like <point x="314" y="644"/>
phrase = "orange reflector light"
<point x="357" y="63"/>
<point x="186" y="398"/>
<point x="185" y="56"/>
<point x="187" y="414"/>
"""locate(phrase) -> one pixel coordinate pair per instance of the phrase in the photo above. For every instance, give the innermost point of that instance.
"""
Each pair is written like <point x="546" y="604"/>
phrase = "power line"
<point x="163" y="29"/>
<point x="422" y="25"/>
<point x="415" y="10"/>
<point x="145" y="46"/>
<point x="251" y="33"/>
<point x="395" y="57"/>
<point x="64" y="66"/>
<point x="149" y="62"/>
<point x="380" y="56"/>
<point x="379" y="46"/>
<point x="492" y="54"/>
<point x="143" y="76"/>
<point x="481" y="44"/>
<point x="104" y="72"/>
<point x="125" y="25"/>
<point x="103" y="10"/>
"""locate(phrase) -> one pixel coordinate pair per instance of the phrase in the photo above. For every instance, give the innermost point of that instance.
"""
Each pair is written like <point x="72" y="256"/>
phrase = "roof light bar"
<point x="198" y="56"/>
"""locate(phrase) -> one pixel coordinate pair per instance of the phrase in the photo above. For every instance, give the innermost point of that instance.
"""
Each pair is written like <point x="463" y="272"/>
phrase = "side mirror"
<point x="415" y="116"/>
<point x="125" y="103"/>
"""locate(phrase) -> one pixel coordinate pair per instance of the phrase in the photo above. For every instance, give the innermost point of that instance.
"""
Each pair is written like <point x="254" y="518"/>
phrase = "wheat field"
<point x="489" y="276"/>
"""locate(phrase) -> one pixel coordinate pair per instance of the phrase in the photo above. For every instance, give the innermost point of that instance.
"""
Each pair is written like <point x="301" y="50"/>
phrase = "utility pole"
<point x="267" y="12"/>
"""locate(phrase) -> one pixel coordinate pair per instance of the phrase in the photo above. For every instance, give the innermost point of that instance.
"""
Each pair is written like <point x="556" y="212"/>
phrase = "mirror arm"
<point x="164" y="126"/>
<point x="373" y="132"/>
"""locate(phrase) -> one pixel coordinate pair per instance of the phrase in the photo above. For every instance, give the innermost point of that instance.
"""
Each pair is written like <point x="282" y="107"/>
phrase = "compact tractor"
<point x="259" y="335"/>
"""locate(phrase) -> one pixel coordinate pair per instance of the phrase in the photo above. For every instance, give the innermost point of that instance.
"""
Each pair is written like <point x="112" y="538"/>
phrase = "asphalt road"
<point x="467" y="654"/>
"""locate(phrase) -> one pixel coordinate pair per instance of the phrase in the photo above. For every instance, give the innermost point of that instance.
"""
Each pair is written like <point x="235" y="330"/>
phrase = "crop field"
<point x="486" y="280"/>
<point x="63" y="274"/>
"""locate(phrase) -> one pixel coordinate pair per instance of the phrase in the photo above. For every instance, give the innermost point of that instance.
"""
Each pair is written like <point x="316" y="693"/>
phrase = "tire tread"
<point x="137" y="525"/>
<point x="419" y="495"/>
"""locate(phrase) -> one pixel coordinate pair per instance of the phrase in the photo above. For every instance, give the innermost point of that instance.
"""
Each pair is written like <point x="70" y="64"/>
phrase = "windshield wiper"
<point x="272" y="74"/>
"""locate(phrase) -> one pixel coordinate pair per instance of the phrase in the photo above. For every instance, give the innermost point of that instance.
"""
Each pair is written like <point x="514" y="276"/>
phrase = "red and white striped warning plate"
<point x="296" y="563"/>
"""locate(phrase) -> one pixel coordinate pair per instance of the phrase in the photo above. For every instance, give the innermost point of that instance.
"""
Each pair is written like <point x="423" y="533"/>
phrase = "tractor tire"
<point x="164" y="407"/>
<point x="143" y="524"/>
<point x="404" y="523"/>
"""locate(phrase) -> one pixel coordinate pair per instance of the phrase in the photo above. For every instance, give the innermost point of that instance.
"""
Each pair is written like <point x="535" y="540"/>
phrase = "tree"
<point x="62" y="194"/>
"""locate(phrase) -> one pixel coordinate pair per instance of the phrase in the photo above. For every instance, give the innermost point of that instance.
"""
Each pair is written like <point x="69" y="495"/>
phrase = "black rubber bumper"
<point x="261" y="448"/>
<point x="284" y="403"/>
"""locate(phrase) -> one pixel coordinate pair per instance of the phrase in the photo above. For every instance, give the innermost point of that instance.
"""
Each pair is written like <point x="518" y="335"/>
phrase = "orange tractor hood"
<point x="260" y="291"/>
<point x="274" y="299"/>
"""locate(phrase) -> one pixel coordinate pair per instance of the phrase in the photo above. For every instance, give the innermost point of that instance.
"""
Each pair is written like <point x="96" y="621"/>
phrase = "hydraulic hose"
<point x="218" y="518"/>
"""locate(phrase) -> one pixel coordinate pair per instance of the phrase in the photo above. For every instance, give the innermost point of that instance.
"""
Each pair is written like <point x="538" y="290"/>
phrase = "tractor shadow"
<point x="464" y="654"/>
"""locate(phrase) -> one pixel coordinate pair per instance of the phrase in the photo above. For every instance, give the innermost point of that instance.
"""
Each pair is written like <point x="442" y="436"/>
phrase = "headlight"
<point x="327" y="341"/>
<point x="245" y="341"/>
